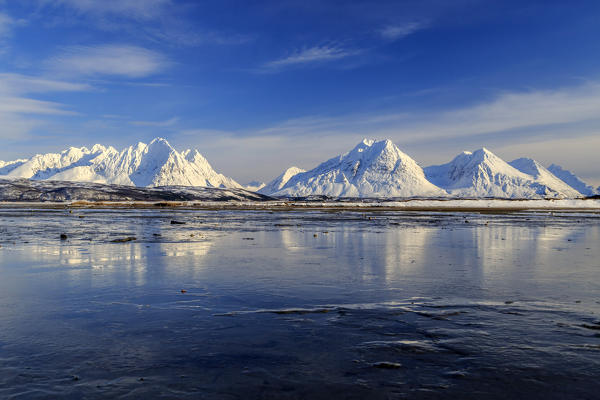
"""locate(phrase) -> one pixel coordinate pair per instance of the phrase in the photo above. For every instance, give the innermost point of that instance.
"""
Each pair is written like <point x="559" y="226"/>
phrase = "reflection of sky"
<point x="120" y="306"/>
<point x="346" y="255"/>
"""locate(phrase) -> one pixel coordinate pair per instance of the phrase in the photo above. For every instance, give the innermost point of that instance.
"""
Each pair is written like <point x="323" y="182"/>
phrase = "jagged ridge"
<point x="144" y="165"/>
<point x="371" y="169"/>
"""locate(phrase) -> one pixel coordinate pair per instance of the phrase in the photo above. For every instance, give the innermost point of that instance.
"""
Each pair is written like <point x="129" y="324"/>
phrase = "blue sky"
<point x="259" y="86"/>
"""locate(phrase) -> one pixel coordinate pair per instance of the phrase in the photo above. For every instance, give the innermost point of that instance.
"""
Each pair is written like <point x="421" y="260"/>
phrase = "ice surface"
<point x="255" y="304"/>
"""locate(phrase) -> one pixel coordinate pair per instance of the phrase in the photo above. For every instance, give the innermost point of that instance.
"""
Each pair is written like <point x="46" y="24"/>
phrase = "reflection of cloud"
<point x="387" y="255"/>
<point x="406" y="251"/>
<point x="119" y="264"/>
<point x="191" y="249"/>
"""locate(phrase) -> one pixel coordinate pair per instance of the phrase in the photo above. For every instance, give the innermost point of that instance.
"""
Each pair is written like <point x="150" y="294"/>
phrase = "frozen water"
<point x="305" y="304"/>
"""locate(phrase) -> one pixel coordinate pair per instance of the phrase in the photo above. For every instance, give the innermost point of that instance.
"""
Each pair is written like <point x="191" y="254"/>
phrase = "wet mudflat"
<point x="253" y="304"/>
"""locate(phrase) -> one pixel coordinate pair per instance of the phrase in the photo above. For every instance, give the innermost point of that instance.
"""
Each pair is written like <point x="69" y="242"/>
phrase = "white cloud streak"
<point x="19" y="105"/>
<point x="311" y="55"/>
<point x="507" y="112"/>
<point x="138" y="9"/>
<point x="157" y="124"/>
<point x="112" y="60"/>
<point x="569" y="116"/>
<point x="22" y="84"/>
<point x="517" y="110"/>
<point x="6" y="25"/>
<point x="397" y="32"/>
<point x="18" y="113"/>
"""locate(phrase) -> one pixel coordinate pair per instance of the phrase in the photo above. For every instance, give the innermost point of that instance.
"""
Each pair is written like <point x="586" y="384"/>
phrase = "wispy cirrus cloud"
<point x="6" y="25"/>
<point x="23" y="84"/>
<point x="156" y="124"/>
<point x="20" y="105"/>
<point x="311" y="55"/>
<point x="20" y="113"/>
<point x="158" y="21"/>
<point x="507" y="111"/>
<point x="112" y="60"/>
<point x="139" y="9"/>
<point x="529" y="119"/>
<point x="399" y="31"/>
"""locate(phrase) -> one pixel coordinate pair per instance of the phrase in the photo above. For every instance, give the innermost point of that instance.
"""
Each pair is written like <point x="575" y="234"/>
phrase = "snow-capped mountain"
<point x="544" y="177"/>
<point x="254" y="186"/>
<point x="483" y="174"/>
<point x="573" y="180"/>
<point x="278" y="183"/>
<point x="371" y="169"/>
<point x="153" y="164"/>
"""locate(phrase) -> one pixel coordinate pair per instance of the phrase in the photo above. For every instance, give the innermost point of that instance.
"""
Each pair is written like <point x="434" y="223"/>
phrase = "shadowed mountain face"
<point x="574" y="181"/>
<point x="39" y="191"/>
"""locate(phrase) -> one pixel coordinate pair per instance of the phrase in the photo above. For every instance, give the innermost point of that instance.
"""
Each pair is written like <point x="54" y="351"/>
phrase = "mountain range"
<point x="371" y="169"/>
<point x="146" y="165"/>
<point x="381" y="169"/>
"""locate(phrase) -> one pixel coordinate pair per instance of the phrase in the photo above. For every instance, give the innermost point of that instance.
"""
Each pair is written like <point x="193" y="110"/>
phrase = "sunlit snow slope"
<point x="153" y="164"/>
<point x="371" y="169"/>
<point x="483" y="174"/>
<point x="573" y="180"/>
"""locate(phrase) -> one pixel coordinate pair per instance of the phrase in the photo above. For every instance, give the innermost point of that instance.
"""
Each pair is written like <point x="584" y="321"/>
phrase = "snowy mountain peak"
<point x="528" y="166"/>
<point x="98" y="148"/>
<point x="483" y="155"/>
<point x="484" y="174"/>
<point x="366" y="142"/>
<point x="254" y="186"/>
<point x="160" y="142"/>
<point x="278" y="183"/>
<point x="544" y="177"/>
<point x="573" y="180"/>
<point x="370" y="169"/>
<point x="160" y="148"/>
<point x="153" y="164"/>
<point x="194" y="156"/>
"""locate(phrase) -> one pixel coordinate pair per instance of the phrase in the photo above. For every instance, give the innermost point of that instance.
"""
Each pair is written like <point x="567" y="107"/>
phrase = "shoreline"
<point x="416" y="205"/>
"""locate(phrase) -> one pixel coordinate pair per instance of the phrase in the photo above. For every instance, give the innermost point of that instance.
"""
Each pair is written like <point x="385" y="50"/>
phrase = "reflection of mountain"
<point x="122" y="264"/>
<point x="371" y="255"/>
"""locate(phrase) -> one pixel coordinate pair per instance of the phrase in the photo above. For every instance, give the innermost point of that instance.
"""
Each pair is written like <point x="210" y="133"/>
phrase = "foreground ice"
<point x="302" y="304"/>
